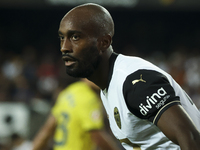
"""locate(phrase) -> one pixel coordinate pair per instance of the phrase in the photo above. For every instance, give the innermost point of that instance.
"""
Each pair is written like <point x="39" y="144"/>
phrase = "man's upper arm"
<point x="50" y="124"/>
<point x="45" y="133"/>
<point x="175" y="123"/>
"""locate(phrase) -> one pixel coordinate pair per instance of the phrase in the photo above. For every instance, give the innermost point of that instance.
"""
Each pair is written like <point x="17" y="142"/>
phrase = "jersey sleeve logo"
<point x="138" y="80"/>
<point x="117" y="117"/>
<point x="157" y="100"/>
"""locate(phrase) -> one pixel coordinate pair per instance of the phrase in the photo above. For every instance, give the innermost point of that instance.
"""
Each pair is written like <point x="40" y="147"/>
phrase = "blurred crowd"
<point x="30" y="82"/>
<point x="33" y="77"/>
<point x="27" y="76"/>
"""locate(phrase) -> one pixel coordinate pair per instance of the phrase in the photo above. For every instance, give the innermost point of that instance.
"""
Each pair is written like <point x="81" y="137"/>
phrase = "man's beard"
<point x="86" y="66"/>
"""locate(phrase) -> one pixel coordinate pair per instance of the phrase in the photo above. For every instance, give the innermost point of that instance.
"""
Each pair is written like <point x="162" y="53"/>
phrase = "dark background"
<point x="146" y="30"/>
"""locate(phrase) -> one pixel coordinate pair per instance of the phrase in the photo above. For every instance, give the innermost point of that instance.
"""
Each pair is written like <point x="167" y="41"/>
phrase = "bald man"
<point x="146" y="108"/>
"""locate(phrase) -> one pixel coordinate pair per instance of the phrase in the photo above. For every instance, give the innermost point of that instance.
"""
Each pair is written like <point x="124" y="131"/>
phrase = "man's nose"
<point x="66" y="46"/>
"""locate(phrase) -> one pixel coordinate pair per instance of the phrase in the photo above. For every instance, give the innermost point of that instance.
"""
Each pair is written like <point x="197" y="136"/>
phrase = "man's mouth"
<point x="69" y="63"/>
<point x="68" y="60"/>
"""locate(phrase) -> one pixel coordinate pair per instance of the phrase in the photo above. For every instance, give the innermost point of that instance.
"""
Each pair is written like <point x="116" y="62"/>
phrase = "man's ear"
<point x="104" y="42"/>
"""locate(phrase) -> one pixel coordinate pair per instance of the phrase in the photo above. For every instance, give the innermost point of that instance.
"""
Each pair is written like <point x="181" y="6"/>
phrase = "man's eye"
<point x="75" y="37"/>
<point x="61" y="37"/>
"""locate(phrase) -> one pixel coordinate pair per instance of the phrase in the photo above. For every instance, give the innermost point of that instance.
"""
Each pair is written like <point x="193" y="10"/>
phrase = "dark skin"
<point x="174" y="122"/>
<point x="178" y="127"/>
<point x="86" y="39"/>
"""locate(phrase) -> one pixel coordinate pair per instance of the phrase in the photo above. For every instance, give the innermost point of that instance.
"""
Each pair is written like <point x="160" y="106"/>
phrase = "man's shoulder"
<point x="131" y="64"/>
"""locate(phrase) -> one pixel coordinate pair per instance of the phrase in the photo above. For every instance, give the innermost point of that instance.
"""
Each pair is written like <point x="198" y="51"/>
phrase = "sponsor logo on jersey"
<point x="138" y="80"/>
<point x="157" y="100"/>
<point x="117" y="117"/>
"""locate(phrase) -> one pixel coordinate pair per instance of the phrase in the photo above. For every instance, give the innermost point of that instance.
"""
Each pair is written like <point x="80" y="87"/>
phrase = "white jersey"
<point x="137" y="94"/>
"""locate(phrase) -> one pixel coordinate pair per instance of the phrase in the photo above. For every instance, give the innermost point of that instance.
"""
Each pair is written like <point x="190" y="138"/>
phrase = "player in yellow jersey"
<point x="76" y="121"/>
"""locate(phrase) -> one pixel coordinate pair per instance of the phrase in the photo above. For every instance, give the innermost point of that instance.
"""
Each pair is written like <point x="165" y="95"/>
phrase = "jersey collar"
<point x="112" y="59"/>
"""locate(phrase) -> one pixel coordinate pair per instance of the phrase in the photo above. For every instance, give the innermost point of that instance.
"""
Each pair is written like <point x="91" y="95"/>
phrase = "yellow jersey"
<point x="77" y="111"/>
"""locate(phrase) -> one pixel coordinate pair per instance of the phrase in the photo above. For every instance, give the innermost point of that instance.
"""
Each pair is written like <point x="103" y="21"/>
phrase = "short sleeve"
<point x="148" y="94"/>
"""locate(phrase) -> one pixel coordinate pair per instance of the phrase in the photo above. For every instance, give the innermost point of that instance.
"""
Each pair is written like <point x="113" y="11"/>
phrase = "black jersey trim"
<point x="112" y="59"/>
<point x="162" y="110"/>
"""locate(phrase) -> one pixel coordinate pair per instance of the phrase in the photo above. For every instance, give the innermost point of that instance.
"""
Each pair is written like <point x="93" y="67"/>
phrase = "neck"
<point x="100" y="76"/>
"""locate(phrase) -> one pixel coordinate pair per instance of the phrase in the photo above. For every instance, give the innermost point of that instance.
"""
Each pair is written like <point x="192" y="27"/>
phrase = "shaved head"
<point x="86" y="33"/>
<point x="91" y="17"/>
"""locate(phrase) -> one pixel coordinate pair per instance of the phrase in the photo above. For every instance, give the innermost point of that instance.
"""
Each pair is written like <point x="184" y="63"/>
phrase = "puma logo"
<point x="137" y="80"/>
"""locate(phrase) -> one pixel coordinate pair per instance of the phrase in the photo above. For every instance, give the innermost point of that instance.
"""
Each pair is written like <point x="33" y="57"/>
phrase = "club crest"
<point x="117" y="117"/>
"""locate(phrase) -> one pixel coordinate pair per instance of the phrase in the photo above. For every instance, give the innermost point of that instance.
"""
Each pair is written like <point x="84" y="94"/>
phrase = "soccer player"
<point x="76" y="121"/>
<point x="146" y="107"/>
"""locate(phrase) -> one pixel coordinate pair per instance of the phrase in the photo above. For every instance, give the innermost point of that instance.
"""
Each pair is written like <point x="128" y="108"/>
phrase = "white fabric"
<point x="138" y="131"/>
